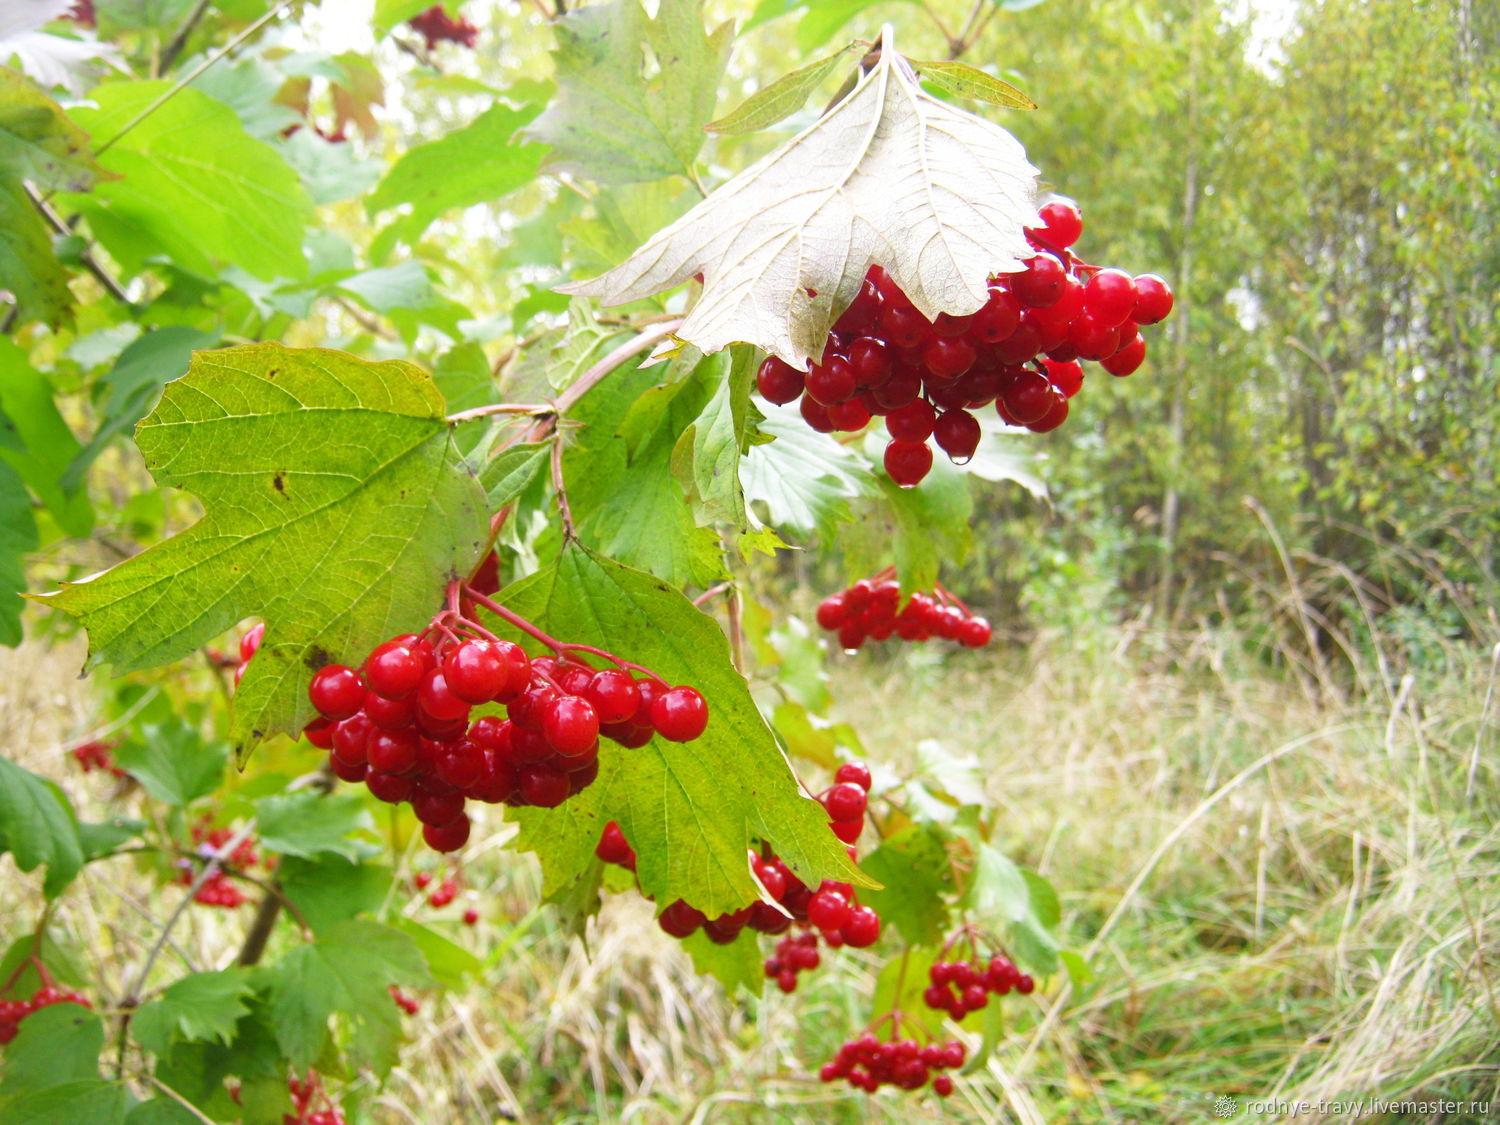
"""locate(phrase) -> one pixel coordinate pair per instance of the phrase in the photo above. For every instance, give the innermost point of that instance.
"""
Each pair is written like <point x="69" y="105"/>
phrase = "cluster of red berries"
<point x="1019" y="351"/>
<point x="97" y="754"/>
<point x="82" y="13"/>
<point x="871" y="609"/>
<point x="408" y="1004"/>
<point x="867" y="1063"/>
<point x="795" y="953"/>
<point x="437" y="26"/>
<point x="12" y="1012"/>
<point x="219" y="888"/>
<point x="303" y="1091"/>
<point x="961" y="987"/>
<point x="402" y="725"/>
<point x="443" y="895"/>
<point x="846" y="799"/>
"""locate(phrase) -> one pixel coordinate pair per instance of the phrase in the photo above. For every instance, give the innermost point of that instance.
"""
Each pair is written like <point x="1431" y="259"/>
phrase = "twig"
<point x="570" y="533"/>
<point x="711" y="593"/>
<point x="736" y="631"/>
<point x="59" y="224"/>
<point x="187" y="78"/>
<point x="179" y="41"/>
<point x="364" y="319"/>
<point x="260" y="929"/>
<point x="590" y="378"/>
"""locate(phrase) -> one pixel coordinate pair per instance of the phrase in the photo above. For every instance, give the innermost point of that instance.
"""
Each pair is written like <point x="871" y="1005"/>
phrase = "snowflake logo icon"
<point x="1225" y="1106"/>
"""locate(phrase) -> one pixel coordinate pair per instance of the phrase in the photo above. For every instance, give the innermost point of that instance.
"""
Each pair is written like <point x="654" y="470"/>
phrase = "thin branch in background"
<point x="365" y="320"/>
<point x="570" y="533"/>
<point x="90" y="263"/>
<point x="179" y="41"/>
<point x="182" y="82"/>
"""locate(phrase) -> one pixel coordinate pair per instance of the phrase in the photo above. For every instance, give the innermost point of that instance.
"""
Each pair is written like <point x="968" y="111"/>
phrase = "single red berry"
<point x="815" y="414"/>
<point x="471" y="917"/>
<point x="527" y="709"/>
<point x="1056" y="415"/>
<point x="252" y="638"/>
<point x="391" y="751"/>
<point x="1131" y="355"/>
<point x="862" y="929"/>
<point x="902" y="325"/>
<point x="997" y="319"/>
<point x="831" y="612"/>
<point x="447" y="837"/>
<point x="1028" y="398"/>
<point x="614" y="695"/>
<point x="613" y="847"/>
<point x="855" y="773"/>
<point x="907" y="462"/>
<point x="871" y="360"/>
<point x="680" y="920"/>
<point x="942" y="1086"/>
<point x="1066" y="377"/>
<point x="1091" y="338"/>
<point x="475" y="672"/>
<point x="847" y="830"/>
<point x="975" y="632"/>
<point x="390" y="714"/>
<point x="543" y="785"/>
<point x="346" y="771"/>
<point x="975" y="997"/>
<point x="947" y="358"/>
<point x="845" y="801"/>
<point x="438" y="701"/>
<point x="912" y="422"/>
<point x="832" y="381"/>
<point x="679" y="714"/>
<point x="778" y="381"/>
<point x="1153" y="299"/>
<point x="1110" y="296"/>
<point x="1041" y="283"/>
<point x="849" y="417"/>
<point x="394" y="671"/>
<point x="570" y="725"/>
<point x="336" y="691"/>
<point x="392" y="788"/>
<point x="957" y="434"/>
<point x="1061" y="224"/>
<point x="437" y="808"/>
<point x="828" y="910"/>
<point x="460" y="764"/>
<point x="903" y="387"/>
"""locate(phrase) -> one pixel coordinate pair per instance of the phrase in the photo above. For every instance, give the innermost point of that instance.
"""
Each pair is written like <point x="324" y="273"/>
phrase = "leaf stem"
<point x="541" y="409"/>
<point x="515" y="619"/>
<point x="90" y="263"/>
<point x="570" y="533"/>
<point x="179" y="41"/>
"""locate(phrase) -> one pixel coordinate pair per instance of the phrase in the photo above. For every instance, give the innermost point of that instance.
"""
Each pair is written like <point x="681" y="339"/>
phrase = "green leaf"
<point x="463" y="375"/>
<point x="805" y="479"/>
<point x="1000" y="889"/>
<point x="311" y="825"/>
<point x="451" y="964"/>
<point x="37" y="826"/>
<point x="900" y="984"/>
<point x="18" y="535"/>
<point x="914" y="866"/>
<point x="194" y="185"/>
<point x="133" y="384"/>
<point x="738" y="964"/>
<point x="173" y="761"/>
<point x="201" y="1007"/>
<point x="49" y="445"/>
<point x="38" y="142"/>
<point x="825" y="17"/>
<point x="617" y="121"/>
<point x="103" y="838"/>
<point x="55" y="1046"/>
<point x="691" y="812"/>
<point x="479" y="163"/>
<point x="93" y="1101"/>
<point x="925" y="528"/>
<point x="331" y="889"/>
<point x="625" y="500"/>
<point x="336" y="508"/>
<point x="780" y="99"/>
<point x="1079" y="970"/>
<point x="507" y="474"/>
<point x="970" y="82"/>
<point x="403" y="286"/>
<point x="388" y="13"/>
<point x="28" y="264"/>
<point x="347" y="971"/>
<point x="162" y="1111"/>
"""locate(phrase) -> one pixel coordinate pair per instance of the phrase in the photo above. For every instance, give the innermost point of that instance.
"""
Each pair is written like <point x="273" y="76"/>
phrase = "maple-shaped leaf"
<point x="336" y="508"/>
<point x="891" y="175"/>
<point x="690" y="810"/>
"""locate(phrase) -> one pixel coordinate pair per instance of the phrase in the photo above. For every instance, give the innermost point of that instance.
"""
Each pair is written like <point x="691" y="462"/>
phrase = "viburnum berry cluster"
<point x="868" y="1063"/>
<point x="403" y="723"/>
<point x="303" y="1092"/>
<point x="12" y="1012"/>
<point x="408" y="1004"/>
<point x="97" y="754"/>
<point x="1020" y="351"/>
<point x="961" y="987"/>
<point x="871" y="609"/>
<point x="437" y="26"/>
<point x="219" y="888"/>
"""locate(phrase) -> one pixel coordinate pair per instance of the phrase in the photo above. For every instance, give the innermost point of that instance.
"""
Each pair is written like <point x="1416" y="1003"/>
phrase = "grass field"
<point x="1287" y="893"/>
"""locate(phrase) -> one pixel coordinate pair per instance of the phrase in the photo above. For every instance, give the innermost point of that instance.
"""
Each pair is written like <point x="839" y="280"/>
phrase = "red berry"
<point x="679" y="714"/>
<point x="942" y="1086"/>
<point x="907" y="462"/>
<point x="680" y="920"/>
<point x="250" y="642"/>
<point x="947" y="358"/>
<point x="1028" y="398"/>
<point x="394" y="671"/>
<point x="471" y="917"/>
<point x="475" y="672"/>
<point x="438" y="701"/>
<point x="570" y="725"/>
<point x="997" y="319"/>
<point x="447" y="837"/>
<point x="1153" y="299"/>
<point x="855" y="773"/>
<point x="1130" y="356"/>
<point x="912" y="422"/>
<point x="1109" y="296"/>
<point x="526" y="710"/>
<point x="613" y="847"/>
<point x="1061" y="223"/>
<point x="346" y="771"/>
<point x="871" y="361"/>
<point x="831" y="382"/>
<point x="815" y="414"/>
<point x="391" y="751"/>
<point x="437" y="808"/>
<point x="975" y="632"/>
<point x="390" y="714"/>
<point x="862" y="929"/>
<point x="1056" y="415"/>
<point x="392" y="788"/>
<point x="831" y="612"/>
<point x="849" y="417"/>
<point x="336" y="691"/>
<point x="544" y="786"/>
<point x="1066" y="377"/>
<point x="845" y="801"/>
<point x="778" y="381"/>
<point x="459" y="765"/>
<point x="847" y="830"/>
<point x="828" y="910"/>
<point x="957" y="434"/>
<point x="614" y="695"/>
<point x="1041" y="283"/>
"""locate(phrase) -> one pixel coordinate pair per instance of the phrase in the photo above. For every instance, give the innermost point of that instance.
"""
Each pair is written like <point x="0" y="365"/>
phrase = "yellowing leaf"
<point x="891" y="175"/>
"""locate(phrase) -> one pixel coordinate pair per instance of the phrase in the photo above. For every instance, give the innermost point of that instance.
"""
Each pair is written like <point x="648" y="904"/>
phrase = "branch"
<point x="261" y="926"/>
<point x="570" y="533"/>
<point x="179" y="41"/>
<point x="631" y="348"/>
<point x="59" y="224"/>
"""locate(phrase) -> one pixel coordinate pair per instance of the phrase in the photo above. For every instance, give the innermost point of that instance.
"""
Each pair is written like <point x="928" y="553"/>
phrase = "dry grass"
<point x="1283" y="898"/>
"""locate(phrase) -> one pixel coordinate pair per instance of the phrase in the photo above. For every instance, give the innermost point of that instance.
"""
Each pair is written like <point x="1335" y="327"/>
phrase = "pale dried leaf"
<point x="49" y="60"/>
<point x="890" y="175"/>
